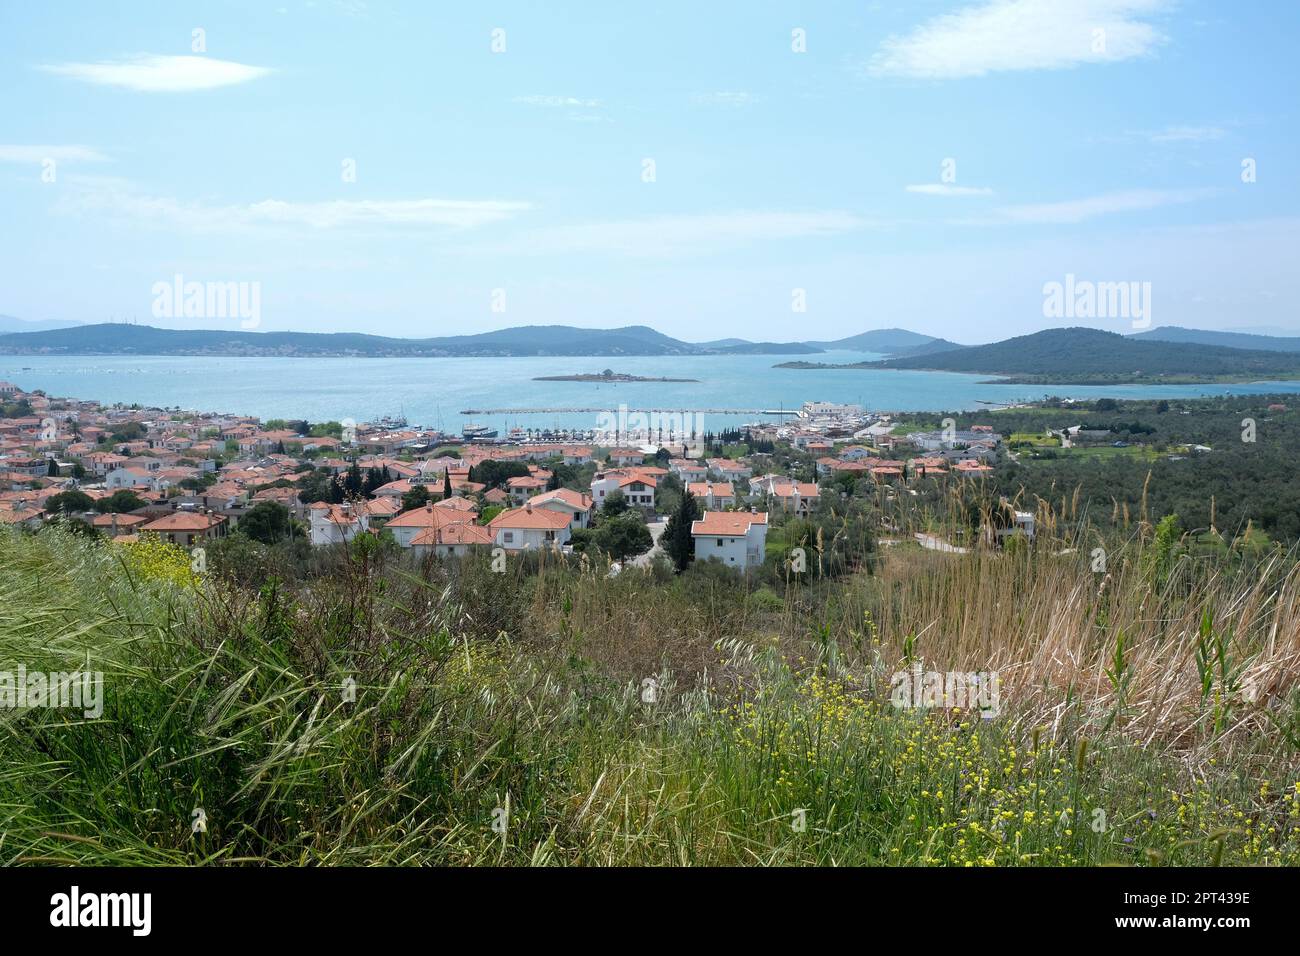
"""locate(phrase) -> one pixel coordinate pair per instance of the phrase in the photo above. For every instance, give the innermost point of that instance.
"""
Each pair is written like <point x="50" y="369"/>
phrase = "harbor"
<point x="596" y="411"/>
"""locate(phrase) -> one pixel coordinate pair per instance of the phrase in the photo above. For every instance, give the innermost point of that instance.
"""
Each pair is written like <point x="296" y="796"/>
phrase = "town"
<point x="190" y="478"/>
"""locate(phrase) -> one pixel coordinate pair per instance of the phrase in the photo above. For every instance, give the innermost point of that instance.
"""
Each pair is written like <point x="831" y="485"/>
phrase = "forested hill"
<point x="123" y="339"/>
<point x="1232" y="340"/>
<point x="1091" y="355"/>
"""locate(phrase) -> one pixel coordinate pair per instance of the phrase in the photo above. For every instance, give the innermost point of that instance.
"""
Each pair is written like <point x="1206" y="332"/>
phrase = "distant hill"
<point x="9" y="323"/>
<point x="723" y="343"/>
<point x="929" y="348"/>
<point x="1232" y="340"/>
<point x="120" y="339"/>
<point x="884" y="341"/>
<point x="1092" y="357"/>
<point x="768" y="348"/>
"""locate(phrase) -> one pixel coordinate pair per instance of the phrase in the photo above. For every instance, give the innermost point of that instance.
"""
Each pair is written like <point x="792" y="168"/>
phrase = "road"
<point x="938" y="544"/>
<point x="656" y="532"/>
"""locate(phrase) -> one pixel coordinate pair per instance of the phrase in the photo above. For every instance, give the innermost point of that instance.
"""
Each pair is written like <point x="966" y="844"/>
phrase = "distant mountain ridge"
<point x="10" y="323"/>
<point x="1232" y="340"/>
<point x="563" y="340"/>
<point x="1084" y="356"/>
<point x="884" y="341"/>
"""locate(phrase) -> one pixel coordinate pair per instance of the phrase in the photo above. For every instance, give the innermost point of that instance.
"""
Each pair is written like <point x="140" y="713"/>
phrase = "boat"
<point x="473" y="432"/>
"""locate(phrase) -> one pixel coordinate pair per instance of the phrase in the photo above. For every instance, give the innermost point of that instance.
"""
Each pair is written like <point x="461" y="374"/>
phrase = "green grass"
<point x="1103" y="452"/>
<point x="234" y="701"/>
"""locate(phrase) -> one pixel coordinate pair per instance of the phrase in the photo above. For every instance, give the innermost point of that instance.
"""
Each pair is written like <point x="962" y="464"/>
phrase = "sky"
<point x="766" y="170"/>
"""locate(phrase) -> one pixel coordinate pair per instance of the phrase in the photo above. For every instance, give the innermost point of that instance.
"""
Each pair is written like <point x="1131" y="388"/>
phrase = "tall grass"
<point x="389" y="713"/>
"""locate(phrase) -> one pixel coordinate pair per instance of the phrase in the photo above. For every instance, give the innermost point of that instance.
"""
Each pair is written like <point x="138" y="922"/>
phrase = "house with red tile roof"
<point x="22" y="515"/>
<point x="186" y="528"/>
<point x="530" y="529"/>
<point x="380" y="510"/>
<point x="522" y="488"/>
<point x="800" y="497"/>
<point x="688" y="469"/>
<point x="573" y="503"/>
<point x="114" y="524"/>
<point x="453" y="540"/>
<point x="928" y="466"/>
<point x="336" y="524"/>
<point x="408" y="524"/>
<point x="729" y="470"/>
<point x="637" y="484"/>
<point x="713" y="495"/>
<point x="736" y="538"/>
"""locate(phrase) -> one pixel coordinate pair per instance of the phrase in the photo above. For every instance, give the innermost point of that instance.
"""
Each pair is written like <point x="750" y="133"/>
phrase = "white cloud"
<point x="1021" y="35"/>
<point x="947" y="189"/>
<point x="1081" y="210"/>
<point x="117" y="198"/>
<point x="1186" y="134"/>
<point x="725" y="98"/>
<point x="160" y="74"/>
<point x="62" y="154"/>
<point x="553" y="102"/>
<point x="673" y="235"/>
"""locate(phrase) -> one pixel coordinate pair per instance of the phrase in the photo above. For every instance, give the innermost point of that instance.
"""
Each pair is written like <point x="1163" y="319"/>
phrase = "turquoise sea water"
<point x="433" y="392"/>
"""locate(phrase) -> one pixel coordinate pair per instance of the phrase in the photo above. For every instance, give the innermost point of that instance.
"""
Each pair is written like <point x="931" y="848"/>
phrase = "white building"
<point x="573" y="503"/>
<point x="736" y="538"/>
<point x="336" y="524"/>
<point x="713" y="495"/>
<point x="409" y="524"/>
<point x="133" y="478"/>
<point x="637" y="488"/>
<point x="453" y="540"/>
<point x="829" y="410"/>
<point x="530" y="529"/>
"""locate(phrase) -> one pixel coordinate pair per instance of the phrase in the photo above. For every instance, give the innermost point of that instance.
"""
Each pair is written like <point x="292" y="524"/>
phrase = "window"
<point x="508" y="537"/>
<point x="719" y="542"/>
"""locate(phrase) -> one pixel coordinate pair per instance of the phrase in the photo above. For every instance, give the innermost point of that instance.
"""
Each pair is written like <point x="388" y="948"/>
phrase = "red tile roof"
<point x="727" y="524"/>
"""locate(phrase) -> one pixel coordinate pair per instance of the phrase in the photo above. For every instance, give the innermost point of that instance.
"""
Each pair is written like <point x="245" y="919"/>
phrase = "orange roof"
<point x="540" y="518"/>
<point x="720" y="489"/>
<point x="575" y="499"/>
<point x="456" y="504"/>
<point x="106" y="521"/>
<point x="184" y="521"/>
<point x="9" y="516"/>
<point x="335" y="513"/>
<point x="786" y="489"/>
<point x="430" y="517"/>
<point x="727" y="524"/>
<point x="454" y="534"/>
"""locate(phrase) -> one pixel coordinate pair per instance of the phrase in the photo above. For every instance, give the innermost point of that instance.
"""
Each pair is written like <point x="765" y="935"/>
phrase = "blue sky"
<point x="1112" y="156"/>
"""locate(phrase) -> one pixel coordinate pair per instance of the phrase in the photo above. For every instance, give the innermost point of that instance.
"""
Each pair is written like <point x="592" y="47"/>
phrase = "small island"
<point x="607" y="376"/>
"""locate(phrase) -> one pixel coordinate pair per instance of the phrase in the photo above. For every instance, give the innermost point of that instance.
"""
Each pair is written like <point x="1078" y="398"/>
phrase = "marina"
<point x="598" y="410"/>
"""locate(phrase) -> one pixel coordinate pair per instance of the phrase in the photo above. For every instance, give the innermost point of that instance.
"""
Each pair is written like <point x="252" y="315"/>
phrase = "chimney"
<point x="114" y="524"/>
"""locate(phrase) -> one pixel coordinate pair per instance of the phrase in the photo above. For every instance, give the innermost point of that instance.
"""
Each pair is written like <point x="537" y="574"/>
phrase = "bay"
<point x="433" y="392"/>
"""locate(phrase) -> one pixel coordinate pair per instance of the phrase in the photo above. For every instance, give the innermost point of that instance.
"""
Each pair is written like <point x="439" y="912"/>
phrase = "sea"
<point x="448" y="393"/>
